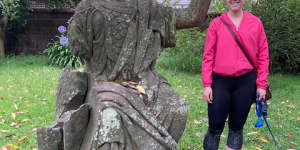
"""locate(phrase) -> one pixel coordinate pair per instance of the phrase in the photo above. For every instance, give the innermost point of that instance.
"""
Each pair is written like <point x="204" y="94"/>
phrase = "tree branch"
<point x="192" y="16"/>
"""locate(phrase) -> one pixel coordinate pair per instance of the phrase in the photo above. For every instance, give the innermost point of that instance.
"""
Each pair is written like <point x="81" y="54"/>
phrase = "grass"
<point x="27" y="98"/>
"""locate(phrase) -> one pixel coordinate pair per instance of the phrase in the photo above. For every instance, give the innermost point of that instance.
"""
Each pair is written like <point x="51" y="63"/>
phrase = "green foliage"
<point x="187" y="54"/>
<point x="281" y="22"/>
<point x="61" y="56"/>
<point x="16" y="10"/>
<point x="10" y="8"/>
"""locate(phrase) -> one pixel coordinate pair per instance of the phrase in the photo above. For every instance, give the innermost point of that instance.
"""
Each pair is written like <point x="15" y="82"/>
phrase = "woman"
<point x="230" y="80"/>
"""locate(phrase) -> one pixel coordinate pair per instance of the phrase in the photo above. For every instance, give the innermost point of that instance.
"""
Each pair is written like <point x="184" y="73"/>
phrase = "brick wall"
<point x="41" y="29"/>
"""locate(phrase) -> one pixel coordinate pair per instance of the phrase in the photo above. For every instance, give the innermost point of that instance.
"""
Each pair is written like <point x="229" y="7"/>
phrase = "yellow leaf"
<point x="141" y="89"/>
<point x="21" y="140"/>
<point x="263" y="139"/>
<point x="197" y="121"/>
<point x="8" y="146"/>
<point x="24" y="120"/>
<point x="255" y="147"/>
<point x="251" y="133"/>
<point x="13" y="116"/>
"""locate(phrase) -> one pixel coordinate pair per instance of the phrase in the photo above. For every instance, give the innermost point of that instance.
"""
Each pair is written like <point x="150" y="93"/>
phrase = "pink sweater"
<point x="224" y="57"/>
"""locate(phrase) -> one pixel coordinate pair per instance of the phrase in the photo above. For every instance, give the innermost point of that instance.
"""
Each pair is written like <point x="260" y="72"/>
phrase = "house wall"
<point x="41" y="30"/>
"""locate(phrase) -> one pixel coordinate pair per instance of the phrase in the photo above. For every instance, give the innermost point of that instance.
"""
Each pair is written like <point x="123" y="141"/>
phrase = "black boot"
<point x="212" y="139"/>
<point x="235" y="139"/>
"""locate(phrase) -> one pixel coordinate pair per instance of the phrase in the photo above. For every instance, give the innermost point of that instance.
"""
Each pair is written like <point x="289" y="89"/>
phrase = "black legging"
<point x="232" y="96"/>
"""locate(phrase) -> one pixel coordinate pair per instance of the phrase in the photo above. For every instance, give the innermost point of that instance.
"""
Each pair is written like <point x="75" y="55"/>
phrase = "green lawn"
<point x="27" y="98"/>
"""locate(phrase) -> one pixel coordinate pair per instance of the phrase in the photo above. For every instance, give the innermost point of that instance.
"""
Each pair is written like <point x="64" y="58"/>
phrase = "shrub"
<point x="16" y="11"/>
<point x="59" y="53"/>
<point x="187" y="54"/>
<point x="281" y="22"/>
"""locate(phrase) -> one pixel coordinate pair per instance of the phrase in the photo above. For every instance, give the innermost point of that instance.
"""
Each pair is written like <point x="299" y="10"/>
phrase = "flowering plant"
<point x="59" y="53"/>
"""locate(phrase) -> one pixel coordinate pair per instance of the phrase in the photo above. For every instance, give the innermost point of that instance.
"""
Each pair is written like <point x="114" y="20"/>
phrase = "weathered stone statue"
<point x="120" y="102"/>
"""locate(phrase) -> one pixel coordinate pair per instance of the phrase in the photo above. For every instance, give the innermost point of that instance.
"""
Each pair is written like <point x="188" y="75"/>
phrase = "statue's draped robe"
<point x="121" y="41"/>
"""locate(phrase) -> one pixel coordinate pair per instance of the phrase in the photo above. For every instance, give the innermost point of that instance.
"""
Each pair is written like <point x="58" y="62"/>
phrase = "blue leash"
<point x="262" y="112"/>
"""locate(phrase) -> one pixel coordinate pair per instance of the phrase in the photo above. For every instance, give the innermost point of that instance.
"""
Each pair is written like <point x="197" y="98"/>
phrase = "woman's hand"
<point x="261" y="93"/>
<point x="208" y="94"/>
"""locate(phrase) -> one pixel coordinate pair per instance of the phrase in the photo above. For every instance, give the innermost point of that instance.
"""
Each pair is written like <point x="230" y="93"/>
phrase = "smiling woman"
<point x="231" y="75"/>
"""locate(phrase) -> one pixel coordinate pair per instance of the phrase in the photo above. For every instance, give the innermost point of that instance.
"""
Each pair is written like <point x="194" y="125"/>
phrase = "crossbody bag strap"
<point x="238" y="42"/>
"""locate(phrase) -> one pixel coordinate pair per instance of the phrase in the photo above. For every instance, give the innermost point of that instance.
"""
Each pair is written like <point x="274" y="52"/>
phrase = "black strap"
<point x="238" y="42"/>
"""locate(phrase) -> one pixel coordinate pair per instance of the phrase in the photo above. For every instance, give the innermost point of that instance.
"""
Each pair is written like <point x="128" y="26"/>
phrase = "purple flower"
<point x="62" y="29"/>
<point x="64" y="41"/>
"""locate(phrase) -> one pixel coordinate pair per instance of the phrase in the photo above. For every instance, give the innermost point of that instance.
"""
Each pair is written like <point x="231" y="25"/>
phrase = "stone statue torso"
<point x="125" y="42"/>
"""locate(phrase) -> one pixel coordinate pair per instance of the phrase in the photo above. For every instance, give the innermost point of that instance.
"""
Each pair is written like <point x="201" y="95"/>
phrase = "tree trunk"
<point x="3" y="24"/>
<point x="193" y="16"/>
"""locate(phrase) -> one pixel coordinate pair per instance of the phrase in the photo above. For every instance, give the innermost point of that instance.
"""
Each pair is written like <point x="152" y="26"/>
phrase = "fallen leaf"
<point x="13" y="116"/>
<point x="199" y="134"/>
<point x="197" y="121"/>
<point x="13" y="124"/>
<point x="288" y="136"/>
<point x="255" y="147"/>
<point x="294" y="143"/>
<point x="8" y="146"/>
<point x="16" y="106"/>
<point x="290" y="106"/>
<point x="34" y="129"/>
<point x="141" y="89"/>
<point x="251" y="133"/>
<point x="25" y="120"/>
<point x="1" y="97"/>
<point x="21" y="112"/>
<point x="9" y="137"/>
<point x="263" y="139"/>
<point x="4" y="131"/>
<point x="20" y="140"/>
<point x="1" y="88"/>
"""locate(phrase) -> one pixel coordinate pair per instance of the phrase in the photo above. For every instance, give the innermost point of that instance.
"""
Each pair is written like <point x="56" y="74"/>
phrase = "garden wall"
<point x="41" y="29"/>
